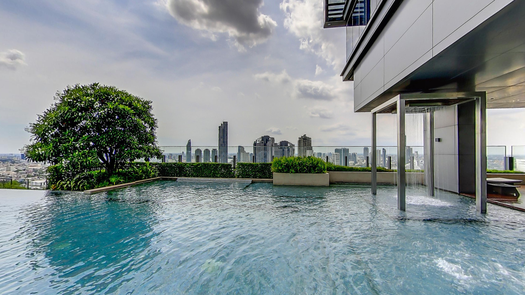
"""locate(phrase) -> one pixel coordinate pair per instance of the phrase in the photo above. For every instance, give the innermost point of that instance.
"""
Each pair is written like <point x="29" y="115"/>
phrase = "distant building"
<point x="242" y="155"/>
<point x="353" y="158"/>
<point x="263" y="149"/>
<point x="198" y="155"/>
<point x="188" y="152"/>
<point x="408" y="153"/>
<point x="344" y="153"/>
<point x="284" y="149"/>
<point x="384" y="157"/>
<point x="206" y="157"/>
<point x="223" y="142"/>
<point x="304" y="145"/>
<point x="365" y="152"/>
<point x="213" y="154"/>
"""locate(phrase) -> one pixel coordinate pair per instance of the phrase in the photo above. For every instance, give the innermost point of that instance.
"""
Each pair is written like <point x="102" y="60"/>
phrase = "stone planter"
<point x="366" y="177"/>
<point x="304" y="179"/>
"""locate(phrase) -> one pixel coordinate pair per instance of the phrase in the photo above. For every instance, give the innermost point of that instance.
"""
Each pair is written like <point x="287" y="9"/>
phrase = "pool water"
<point x="235" y="238"/>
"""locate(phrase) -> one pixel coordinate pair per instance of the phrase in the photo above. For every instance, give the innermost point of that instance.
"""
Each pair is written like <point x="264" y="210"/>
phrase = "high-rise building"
<point x="242" y="155"/>
<point x="384" y="157"/>
<point x="304" y="144"/>
<point x="206" y="157"/>
<point x="213" y="154"/>
<point x="223" y="142"/>
<point x="353" y="158"/>
<point x="263" y="149"/>
<point x="284" y="149"/>
<point x="365" y="152"/>
<point x="188" y="152"/>
<point x="198" y="155"/>
<point x="343" y="154"/>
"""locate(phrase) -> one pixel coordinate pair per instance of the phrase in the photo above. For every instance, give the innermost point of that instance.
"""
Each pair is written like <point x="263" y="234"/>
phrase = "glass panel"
<point x="518" y="152"/>
<point x="496" y="157"/>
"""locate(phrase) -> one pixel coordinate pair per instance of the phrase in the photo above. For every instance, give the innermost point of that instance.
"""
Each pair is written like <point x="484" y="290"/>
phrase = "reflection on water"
<point x="201" y="238"/>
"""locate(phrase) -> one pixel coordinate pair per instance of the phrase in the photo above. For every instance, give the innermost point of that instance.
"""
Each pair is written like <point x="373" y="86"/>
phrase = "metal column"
<point x="429" y="152"/>
<point x="374" y="154"/>
<point x="481" y="154"/>
<point x="401" y="146"/>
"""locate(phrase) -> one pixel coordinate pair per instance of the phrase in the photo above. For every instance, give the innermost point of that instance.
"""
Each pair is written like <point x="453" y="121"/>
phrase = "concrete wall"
<point x="418" y="31"/>
<point x="366" y="177"/>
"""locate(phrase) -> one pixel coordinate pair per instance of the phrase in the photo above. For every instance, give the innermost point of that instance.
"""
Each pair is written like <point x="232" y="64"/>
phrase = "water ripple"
<point x="229" y="238"/>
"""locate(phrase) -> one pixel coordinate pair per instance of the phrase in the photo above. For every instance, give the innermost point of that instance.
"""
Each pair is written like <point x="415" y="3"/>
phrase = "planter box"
<point x="304" y="179"/>
<point x="366" y="177"/>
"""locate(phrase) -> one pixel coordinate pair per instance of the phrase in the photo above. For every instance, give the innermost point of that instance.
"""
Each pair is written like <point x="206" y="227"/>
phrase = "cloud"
<point x="241" y="20"/>
<point x="304" y="19"/>
<point x="319" y="112"/>
<point x="316" y="90"/>
<point x="335" y="127"/>
<point x="274" y="131"/>
<point x="281" y="78"/>
<point x="318" y="70"/>
<point x="12" y="59"/>
<point x="216" y="89"/>
<point x="302" y="88"/>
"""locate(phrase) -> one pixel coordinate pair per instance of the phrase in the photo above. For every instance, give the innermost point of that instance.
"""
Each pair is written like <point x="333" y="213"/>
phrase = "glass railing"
<point x="518" y="153"/>
<point x="356" y="156"/>
<point x="496" y="157"/>
<point x="33" y="175"/>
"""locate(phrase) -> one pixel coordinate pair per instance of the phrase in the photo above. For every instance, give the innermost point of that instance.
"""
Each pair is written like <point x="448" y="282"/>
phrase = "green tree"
<point x="93" y="126"/>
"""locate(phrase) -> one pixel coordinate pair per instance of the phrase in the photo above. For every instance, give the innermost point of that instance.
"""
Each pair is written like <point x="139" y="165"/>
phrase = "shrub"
<point x="298" y="165"/>
<point x="504" y="171"/>
<point x="12" y="184"/>
<point x="214" y="170"/>
<point x="254" y="170"/>
<point x="332" y="167"/>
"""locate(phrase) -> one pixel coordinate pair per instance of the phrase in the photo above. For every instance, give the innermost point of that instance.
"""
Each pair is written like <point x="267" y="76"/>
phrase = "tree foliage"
<point x="94" y="126"/>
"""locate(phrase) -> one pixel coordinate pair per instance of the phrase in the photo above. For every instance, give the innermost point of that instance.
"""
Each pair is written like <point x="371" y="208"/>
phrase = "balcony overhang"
<point x="334" y="13"/>
<point x="490" y="58"/>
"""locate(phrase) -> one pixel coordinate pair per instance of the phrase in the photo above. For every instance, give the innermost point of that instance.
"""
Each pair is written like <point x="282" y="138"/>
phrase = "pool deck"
<point x="518" y="205"/>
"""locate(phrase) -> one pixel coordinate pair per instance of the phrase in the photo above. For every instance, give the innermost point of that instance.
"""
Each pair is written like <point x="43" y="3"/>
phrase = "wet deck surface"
<point x="506" y="201"/>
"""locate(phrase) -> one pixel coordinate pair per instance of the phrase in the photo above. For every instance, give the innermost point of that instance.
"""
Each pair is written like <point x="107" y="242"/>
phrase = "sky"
<point x="266" y="67"/>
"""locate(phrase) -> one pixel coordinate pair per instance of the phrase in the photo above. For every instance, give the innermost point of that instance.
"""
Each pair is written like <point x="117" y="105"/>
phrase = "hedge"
<point x="298" y="165"/>
<point x="212" y="170"/>
<point x="254" y="170"/>
<point x="332" y="167"/>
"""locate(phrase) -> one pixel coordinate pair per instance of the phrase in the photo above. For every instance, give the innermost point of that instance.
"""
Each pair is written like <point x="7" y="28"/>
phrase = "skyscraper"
<point x="343" y="154"/>
<point x="242" y="155"/>
<point x="188" y="152"/>
<point x="206" y="158"/>
<point x="198" y="155"/>
<point x="384" y="157"/>
<point x="213" y="154"/>
<point x="284" y="149"/>
<point x="365" y="152"/>
<point x="304" y="144"/>
<point x="263" y="149"/>
<point x="223" y="142"/>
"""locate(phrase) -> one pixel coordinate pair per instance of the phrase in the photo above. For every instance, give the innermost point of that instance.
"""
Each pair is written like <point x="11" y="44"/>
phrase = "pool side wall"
<point x="366" y="177"/>
<point x="303" y="179"/>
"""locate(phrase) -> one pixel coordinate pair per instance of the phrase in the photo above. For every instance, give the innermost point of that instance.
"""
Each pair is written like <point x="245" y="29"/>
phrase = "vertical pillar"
<point x="374" y="154"/>
<point x="481" y="154"/>
<point x="429" y="152"/>
<point x="401" y="146"/>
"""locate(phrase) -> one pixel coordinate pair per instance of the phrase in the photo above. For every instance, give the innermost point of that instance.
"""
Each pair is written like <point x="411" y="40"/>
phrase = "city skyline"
<point x="278" y="77"/>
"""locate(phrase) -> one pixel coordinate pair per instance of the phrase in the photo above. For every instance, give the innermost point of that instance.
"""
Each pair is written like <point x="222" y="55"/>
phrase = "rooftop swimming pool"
<point x="238" y="238"/>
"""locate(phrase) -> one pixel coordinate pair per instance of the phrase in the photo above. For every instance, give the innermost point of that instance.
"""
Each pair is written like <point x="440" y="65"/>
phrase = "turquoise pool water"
<point x="234" y="238"/>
